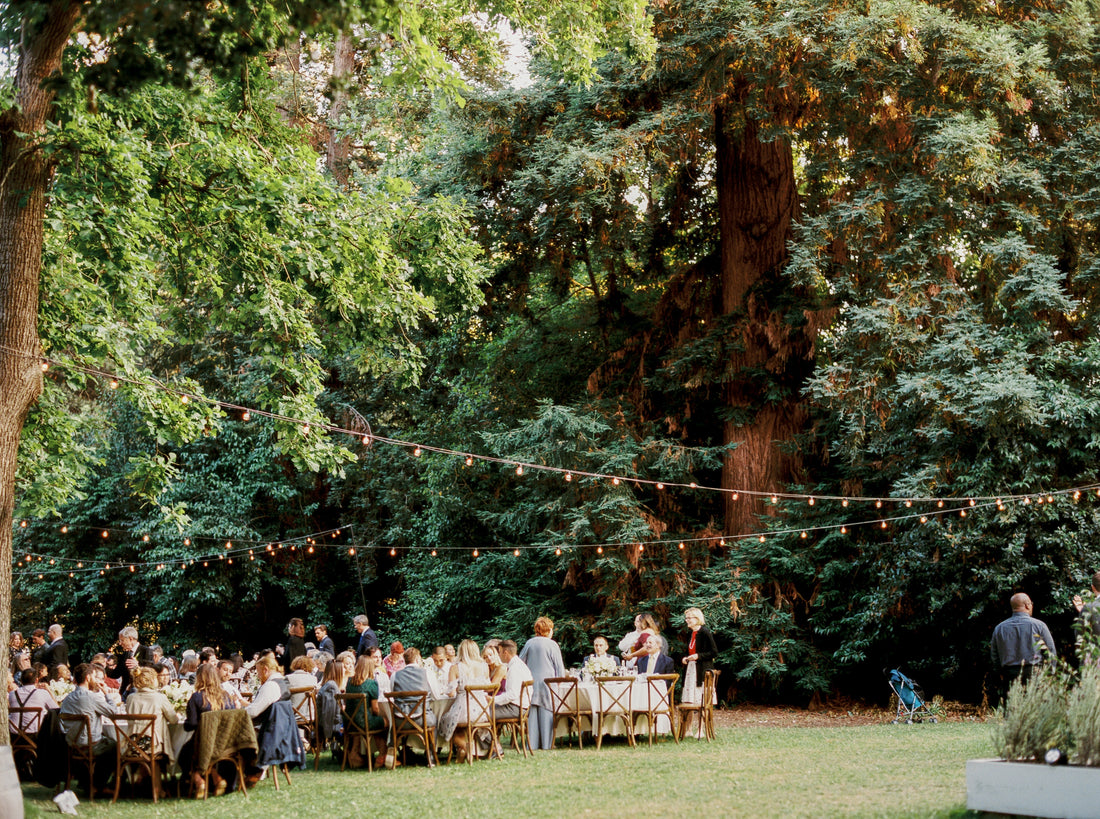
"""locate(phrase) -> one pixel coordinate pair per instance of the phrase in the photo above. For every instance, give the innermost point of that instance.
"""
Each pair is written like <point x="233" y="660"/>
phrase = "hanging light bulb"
<point x="557" y="552"/>
<point x="878" y="504"/>
<point x="475" y="552"/>
<point x="614" y="481"/>
<point x="662" y="486"/>
<point x="939" y="504"/>
<point x="433" y="552"/>
<point x="515" y="553"/>
<point x="351" y="551"/>
<point x="114" y="384"/>
<point x="693" y="485"/>
<point x="393" y="552"/>
<point x="568" y="476"/>
<point x="187" y="541"/>
<point x="45" y="366"/>
<point x="366" y="440"/>
<point x="971" y="502"/>
<point x="735" y="496"/>
<point x="519" y="470"/>
<point x="844" y="530"/>
<point x="469" y="461"/>
<point x="775" y="499"/>
<point x="305" y="429"/>
<point x="105" y="533"/>
<point x="641" y="547"/>
<point x="416" y="452"/>
<point x="844" y="503"/>
<point x="962" y="513"/>
<point x="246" y="416"/>
<point x="923" y="519"/>
<point x="804" y="534"/>
<point x="681" y="547"/>
<point x="810" y="502"/>
<point x="599" y="550"/>
<point x="23" y="524"/>
<point x="64" y="530"/>
<point x="882" y="525"/>
<point x="908" y="504"/>
<point x="184" y="399"/>
<point x="762" y="538"/>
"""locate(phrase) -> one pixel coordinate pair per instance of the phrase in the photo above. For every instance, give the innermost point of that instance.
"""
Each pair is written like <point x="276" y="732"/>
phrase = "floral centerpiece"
<point x="179" y="693"/>
<point x="600" y="666"/>
<point x="60" y="689"/>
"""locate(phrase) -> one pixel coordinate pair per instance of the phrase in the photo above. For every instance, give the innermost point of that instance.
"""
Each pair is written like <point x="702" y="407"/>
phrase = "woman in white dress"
<point x="469" y="670"/>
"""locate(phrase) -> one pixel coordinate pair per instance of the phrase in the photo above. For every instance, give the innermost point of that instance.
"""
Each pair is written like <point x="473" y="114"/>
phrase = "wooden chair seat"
<point x="614" y="694"/>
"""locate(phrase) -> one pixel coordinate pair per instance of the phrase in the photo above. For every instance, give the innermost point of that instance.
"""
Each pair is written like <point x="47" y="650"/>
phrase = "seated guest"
<point x="647" y="626"/>
<point x="411" y="677"/>
<point x="273" y="686"/>
<point x="347" y="659"/>
<point x="653" y="661"/>
<point x="363" y="682"/>
<point x="189" y="668"/>
<point x="146" y="699"/>
<point x="439" y="670"/>
<point x="229" y="685"/>
<point x="497" y="669"/>
<point x="61" y="672"/>
<point x="468" y="670"/>
<point x="43" y="674"/>
<point x="395" y="660"/>
<point x="208" y="696"/>
<point x="328" y="713"/>
<point x="271" y="732"/>
<point x="517" y="673"/>
<point x="107" y="662"/>
<point x="380" y="675"/>
<point x="301" y="676"/>
<point x="164" y="674"/>
<point x="29" y="695"/>
<point x="82" y="701"/>
<point x="599" y="651"/>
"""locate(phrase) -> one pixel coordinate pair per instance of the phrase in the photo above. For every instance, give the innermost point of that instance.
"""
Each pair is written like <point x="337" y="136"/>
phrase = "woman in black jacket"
<point x="700" y="655"/>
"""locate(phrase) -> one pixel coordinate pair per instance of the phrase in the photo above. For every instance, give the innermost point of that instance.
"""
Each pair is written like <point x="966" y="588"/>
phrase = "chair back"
<point x="304" y="702"/>
<point x="136" y="745"/>
<point x="81" y="751"/>
<point x="409" y="712"/>
<point x="661" y="693"/>
<point x="563" y="695"/>
<point x="614" y="694"/>
<point x="353" y="711"/>
<point x="24" y="723"/>
<point x="480" y="706"/>
<point x="224" y="734"/>
<point x="136" y="737"/>
<point x="710" y="685"/>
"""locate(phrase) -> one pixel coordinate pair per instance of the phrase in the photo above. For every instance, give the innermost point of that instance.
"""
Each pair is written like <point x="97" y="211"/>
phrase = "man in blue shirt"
<point x="1017" y="642"/>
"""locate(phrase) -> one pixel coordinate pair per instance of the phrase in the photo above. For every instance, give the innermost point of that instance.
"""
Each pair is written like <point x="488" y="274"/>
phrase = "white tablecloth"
<point x="613" y="724"/>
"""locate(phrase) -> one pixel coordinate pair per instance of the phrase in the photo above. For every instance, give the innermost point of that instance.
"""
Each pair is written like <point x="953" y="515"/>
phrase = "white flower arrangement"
<point x="60" y="689"/>
<point x="179" y="693"/>
<point x="601" y="666"/>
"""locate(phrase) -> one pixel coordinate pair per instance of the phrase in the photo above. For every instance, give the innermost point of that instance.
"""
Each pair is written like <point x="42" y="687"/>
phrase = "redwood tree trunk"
<point x="24" y="177"/>
<point x="338" y="149"/>
<point x="757" y="197"/>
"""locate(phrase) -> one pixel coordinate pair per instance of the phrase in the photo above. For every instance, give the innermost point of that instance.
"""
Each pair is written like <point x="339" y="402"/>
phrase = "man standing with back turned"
<point x="1015" y="644"/>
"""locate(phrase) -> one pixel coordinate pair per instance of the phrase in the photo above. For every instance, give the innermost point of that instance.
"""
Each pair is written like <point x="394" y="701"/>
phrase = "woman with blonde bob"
<point x="700" y="655"/>
<point x="146" y="698"/>
<point x="543" y="656"/>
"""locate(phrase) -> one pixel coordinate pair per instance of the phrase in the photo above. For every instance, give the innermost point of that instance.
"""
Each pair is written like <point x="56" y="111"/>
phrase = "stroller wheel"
<point x="933" y="720"/>
<point x="909" y="722"/>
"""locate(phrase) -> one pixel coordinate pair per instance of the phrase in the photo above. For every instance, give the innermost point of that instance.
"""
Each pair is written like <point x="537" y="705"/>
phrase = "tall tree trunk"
<point x="757" y="197"/>
<point x="24" y="177"/>
<point x="338" y="148"/>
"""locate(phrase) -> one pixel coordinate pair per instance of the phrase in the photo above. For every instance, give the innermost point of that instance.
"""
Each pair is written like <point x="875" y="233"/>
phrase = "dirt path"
<point x="831" y="715"/>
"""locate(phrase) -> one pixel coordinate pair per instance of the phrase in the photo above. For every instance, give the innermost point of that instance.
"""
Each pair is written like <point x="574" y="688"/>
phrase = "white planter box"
<point x="1033" y="789"/>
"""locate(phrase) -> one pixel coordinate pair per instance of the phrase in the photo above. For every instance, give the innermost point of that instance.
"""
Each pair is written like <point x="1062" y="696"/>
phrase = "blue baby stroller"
<point x="911" y="703"/>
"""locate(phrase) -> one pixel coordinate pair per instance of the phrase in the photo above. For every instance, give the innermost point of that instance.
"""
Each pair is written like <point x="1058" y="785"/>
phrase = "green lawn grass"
<point x="877" y="770"/>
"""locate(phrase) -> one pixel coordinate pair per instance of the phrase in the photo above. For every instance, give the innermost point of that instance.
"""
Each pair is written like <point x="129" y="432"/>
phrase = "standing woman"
<point x="700" y="655"/>
<point x="543" y="656"/>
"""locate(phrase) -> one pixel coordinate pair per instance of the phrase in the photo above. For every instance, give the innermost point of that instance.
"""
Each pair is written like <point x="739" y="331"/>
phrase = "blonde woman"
<point x="146" y="698"/>
<point x="700" y="655"/>
<point x="498" y="671"/>
<point x="469" y="670"/>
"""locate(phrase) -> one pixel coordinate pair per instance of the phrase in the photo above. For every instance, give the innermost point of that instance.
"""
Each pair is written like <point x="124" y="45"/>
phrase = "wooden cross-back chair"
<point x="614" y="701"/>
<point x="305" y="713"/>
<point x="660" y="702"/>
<point x="565" y="703"/>
<point x="135" y="735"/>
<point x="480" y="714"/>
<point x="704" y="709"/>
<point x="25" y="722"/>
<point x="409" y="712"/>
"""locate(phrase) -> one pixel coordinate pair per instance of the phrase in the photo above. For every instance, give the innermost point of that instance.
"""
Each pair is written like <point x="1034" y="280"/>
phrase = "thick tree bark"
<point x="24" y="177"/>
<point x="338" y="149"/>
<point x="757" y="198"/>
